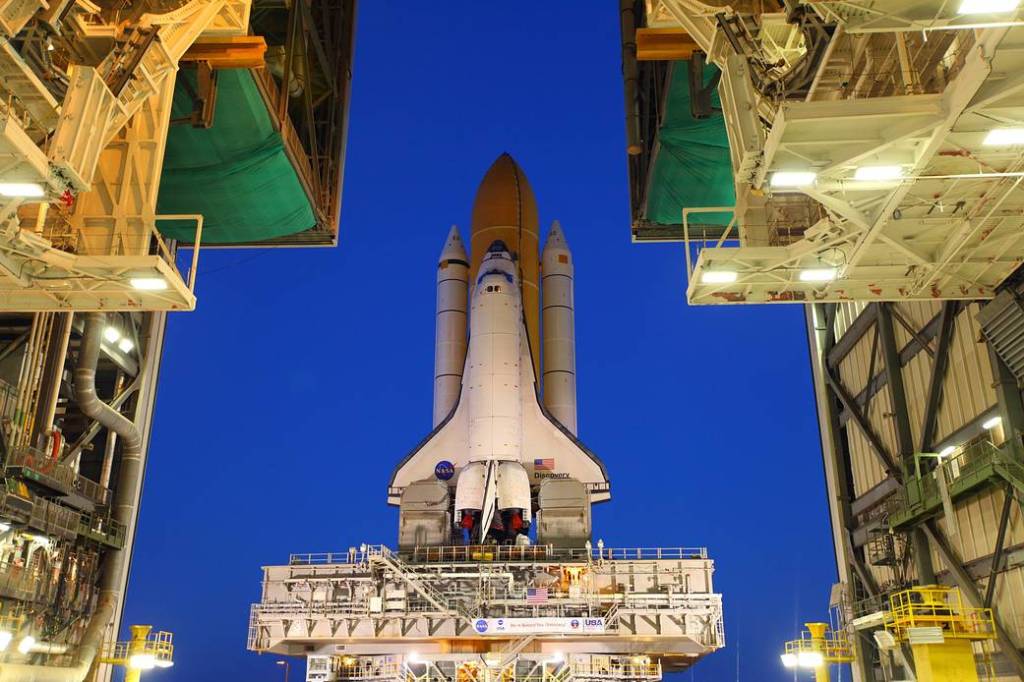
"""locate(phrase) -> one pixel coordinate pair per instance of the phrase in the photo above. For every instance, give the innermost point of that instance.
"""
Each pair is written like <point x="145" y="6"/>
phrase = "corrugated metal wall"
<point x="968" y="394"/>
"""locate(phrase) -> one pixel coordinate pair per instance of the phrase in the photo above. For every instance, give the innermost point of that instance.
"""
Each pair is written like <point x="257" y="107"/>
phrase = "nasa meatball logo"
<point x="444" y="470"/>
<point x="480" y="625"/>
<point x="574" y="624"/>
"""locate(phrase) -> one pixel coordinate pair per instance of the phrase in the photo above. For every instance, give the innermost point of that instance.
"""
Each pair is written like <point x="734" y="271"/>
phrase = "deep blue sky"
<point x="303" y="376"/>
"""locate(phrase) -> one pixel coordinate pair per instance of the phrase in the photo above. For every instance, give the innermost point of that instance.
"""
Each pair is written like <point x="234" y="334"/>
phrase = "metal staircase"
<point x="379" y="555"/>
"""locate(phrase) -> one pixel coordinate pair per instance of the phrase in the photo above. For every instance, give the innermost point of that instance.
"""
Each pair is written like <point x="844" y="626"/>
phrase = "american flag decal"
<point x="536" y="595"/>
<point x="544" y="464"/>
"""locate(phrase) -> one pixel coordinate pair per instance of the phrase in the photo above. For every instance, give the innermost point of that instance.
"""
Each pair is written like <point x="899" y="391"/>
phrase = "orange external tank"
<point x="505" y="209"/>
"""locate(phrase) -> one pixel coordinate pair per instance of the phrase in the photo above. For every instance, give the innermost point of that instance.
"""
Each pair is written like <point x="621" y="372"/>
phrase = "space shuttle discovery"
<point x="503" y="463"/>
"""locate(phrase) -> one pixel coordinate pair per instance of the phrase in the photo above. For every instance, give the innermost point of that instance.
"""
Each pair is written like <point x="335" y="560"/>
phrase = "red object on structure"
<point x="467" y="520"/>
<point x="58" y="441"/>
<point x="67" y="198"/>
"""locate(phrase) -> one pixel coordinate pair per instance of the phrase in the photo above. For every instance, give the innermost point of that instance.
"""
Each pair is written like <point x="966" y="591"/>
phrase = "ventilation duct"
<point x="1002" y="324"/>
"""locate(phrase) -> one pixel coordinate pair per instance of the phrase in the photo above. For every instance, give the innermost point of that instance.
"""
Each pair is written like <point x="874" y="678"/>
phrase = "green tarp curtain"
<point x="236" y="173"/>
<point x="692" y="168"/>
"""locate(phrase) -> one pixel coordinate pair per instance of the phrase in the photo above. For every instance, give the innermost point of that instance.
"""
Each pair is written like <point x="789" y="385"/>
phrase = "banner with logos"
<point x="538" y="626"/>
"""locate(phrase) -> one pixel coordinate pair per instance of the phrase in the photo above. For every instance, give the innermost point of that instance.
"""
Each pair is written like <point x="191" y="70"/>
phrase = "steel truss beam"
<point x="840" y="457"/>
<point x="997" y="555"/>
<point x="939" y="365"/>
<point x="969" y="589"/>
<point x="1011" y="406"/>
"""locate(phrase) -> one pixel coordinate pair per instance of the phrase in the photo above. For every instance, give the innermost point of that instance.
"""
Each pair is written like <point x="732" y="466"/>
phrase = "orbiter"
<point x="503" y="463"/>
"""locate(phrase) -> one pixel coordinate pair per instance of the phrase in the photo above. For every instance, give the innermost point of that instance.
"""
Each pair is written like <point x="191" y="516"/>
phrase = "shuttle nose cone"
<point x="497" y="246"/>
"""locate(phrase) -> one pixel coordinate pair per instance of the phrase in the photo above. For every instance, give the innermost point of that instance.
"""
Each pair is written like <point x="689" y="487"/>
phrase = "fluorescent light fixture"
<point x="1004" y="137"/>
<point x="818" y="275"/>
<point x="810" y="659"/>
<point x="26" y="644"/>
<point x="111" y="334"/>
<point x="414" y="657"/>
<point x="557" y="657"/>
<point x="793" y="178"/>
<point x="788" y="660"/>
<point x="142" y="661"/>
<point x="947" y="451"/>
<point x="987" y="6"/>
<point x="5" y="639"/>
<point x="21" y="189"/>
<point x="992" y="423"/>
<point x="718" y="276"/>
<point x="148" y="283"/>
<point x="163" y="663"/>
<point x="878" y="173"/>
<point x="126" y="345"/>
<point x="4" y="527"/>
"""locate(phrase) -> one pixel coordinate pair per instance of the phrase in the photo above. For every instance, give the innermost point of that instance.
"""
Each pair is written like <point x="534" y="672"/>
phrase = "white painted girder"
<point x="949" y="228"/>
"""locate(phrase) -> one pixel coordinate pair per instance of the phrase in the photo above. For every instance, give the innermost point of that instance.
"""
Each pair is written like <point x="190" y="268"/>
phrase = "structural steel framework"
<point x="842" y="411"/>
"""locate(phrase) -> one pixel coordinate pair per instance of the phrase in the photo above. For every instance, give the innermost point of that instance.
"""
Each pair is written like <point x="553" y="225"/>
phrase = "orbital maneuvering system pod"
<point x="496" y="445"/>
<point x="496" y="578"/>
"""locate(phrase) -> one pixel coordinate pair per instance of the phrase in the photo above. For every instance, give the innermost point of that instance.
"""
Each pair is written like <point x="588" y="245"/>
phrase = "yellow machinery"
<point x="144" y="651"/>
<point x="941" y="631"/>
<point x="817" y="649"/>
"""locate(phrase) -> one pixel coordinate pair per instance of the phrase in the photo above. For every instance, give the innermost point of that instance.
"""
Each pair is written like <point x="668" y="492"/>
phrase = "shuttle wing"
<point x="439" y="455"/>
<point x="552" y="451"/>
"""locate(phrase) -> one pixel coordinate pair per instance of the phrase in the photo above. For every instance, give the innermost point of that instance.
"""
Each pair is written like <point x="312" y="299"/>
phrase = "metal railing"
<point x="834" y="647"/>
<point x="614" y="670"/>
<point x="970" y="466"/>
<point x="55" y="474"/>
<point x="494" y="553"/>
<point x="938" y="607"/>
<point x="103" y="529"/>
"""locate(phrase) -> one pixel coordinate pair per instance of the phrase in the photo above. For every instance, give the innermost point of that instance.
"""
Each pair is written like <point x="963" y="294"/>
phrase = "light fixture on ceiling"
<point x="992" y="423"/>
<point x="148" y="283"/>
<point x="789" y="660"/>
<point x="987" y="6"/>
<point x="126" y="345"/>
<point x="818" y="275"/>
<point x="111" y="334"/>
<point x="21" y="189"/>
<point x="947" y="451"/>
<point x="718" y="276"/>
<point x="1004" y="137"/>
<point x="793" y="178"/>
<point x="26" y="644"/>
<point x="5" y="639"/>
<point x="878" y="173"/>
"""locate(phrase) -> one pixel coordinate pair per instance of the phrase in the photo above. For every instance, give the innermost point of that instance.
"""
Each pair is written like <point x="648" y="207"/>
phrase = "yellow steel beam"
<point x="234" y="52"/>
<point x="664" y="44"/>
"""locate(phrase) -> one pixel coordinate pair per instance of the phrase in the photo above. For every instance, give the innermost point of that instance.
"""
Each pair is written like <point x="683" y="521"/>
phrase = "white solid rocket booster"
<point x="450" y="325"/>
<point x="558" y="329"/>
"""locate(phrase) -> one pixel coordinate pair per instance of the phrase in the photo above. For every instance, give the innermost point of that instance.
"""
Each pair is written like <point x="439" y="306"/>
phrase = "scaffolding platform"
<point x="473" y="613"/>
